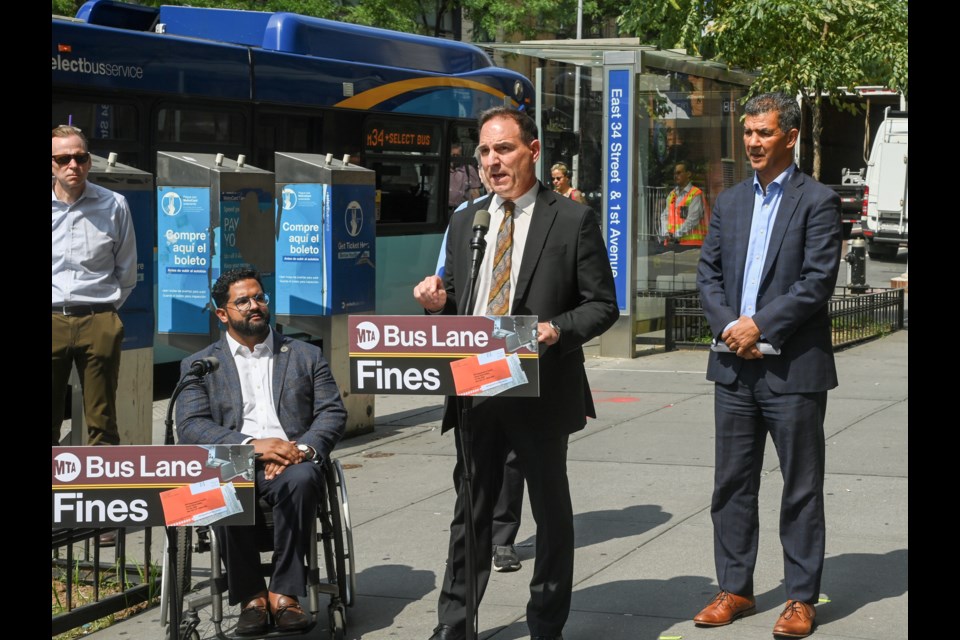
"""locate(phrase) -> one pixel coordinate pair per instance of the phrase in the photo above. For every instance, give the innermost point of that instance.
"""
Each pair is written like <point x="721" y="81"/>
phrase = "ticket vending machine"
<point x="135" y="391"/>
<point x="213" y="214"/>
<point x="325" y="259"/>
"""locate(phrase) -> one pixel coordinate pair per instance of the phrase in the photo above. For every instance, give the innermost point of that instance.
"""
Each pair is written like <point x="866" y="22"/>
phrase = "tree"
<point x="811" y="48"/>
<point x="670" y="24"/>
<point x="815" y="49"/>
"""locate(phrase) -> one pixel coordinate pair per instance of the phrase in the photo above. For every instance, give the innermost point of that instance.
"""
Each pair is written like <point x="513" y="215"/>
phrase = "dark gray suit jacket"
<point x="304" y="392"/>
<point x="797" y="281"/>
<point x="564" y="276"/>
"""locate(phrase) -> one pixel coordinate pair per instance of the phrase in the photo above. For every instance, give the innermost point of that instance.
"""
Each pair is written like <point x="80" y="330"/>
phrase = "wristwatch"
<point x="308" y="451"/>
<point x="556" y="328"/>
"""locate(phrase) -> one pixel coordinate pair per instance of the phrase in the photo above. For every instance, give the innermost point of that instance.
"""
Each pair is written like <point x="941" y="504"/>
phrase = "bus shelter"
<point x="621" y="115"/>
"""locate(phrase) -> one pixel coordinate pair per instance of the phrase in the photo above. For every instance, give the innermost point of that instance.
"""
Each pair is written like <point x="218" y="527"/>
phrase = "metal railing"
<point x="854" y="318"/>
<point x="82" y="565"/>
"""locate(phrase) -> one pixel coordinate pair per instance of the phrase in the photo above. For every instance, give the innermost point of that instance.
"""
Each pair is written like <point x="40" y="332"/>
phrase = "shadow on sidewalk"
<point x="386" y="591"/>
<point x="854" y="580"/>
<point x="595" y="527"/>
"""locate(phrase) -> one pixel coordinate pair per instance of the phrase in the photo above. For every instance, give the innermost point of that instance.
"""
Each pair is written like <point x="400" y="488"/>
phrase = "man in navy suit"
<point x="559" y="271"/>
<point x="767" y="270"/>
<point x="277" y="394"/>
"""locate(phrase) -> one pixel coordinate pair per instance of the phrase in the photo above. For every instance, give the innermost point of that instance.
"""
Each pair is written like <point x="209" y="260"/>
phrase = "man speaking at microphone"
<point x="277" y="394"/>
<point x="544" y="257"/>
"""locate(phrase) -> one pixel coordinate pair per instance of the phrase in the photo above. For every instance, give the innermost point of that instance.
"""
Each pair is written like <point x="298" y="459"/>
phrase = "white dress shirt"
<point x="522" y="213"/>
<point x="260" y="419"/>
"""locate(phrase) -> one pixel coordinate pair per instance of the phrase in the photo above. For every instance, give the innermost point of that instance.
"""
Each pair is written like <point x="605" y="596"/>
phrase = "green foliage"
<point x="796" y="45"/>
<point x="815" y="46"/>
<point x="671" y="24"/>
<point x="66" y="7"/>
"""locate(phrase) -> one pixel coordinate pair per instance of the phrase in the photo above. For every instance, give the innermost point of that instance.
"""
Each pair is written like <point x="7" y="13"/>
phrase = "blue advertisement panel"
<point x="301" y="288"/>
<point x="350" y="254"/>
<point x="141" y="208"/>
<point x="137" y="328"/>
<point x="245" y="234"/>
<point x="183" y="260"/>
<point x="617" y="172"/>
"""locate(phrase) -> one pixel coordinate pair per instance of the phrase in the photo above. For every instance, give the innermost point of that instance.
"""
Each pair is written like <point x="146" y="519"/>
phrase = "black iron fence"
<point x="92" y="581"/>
<point x="854" y="318"/>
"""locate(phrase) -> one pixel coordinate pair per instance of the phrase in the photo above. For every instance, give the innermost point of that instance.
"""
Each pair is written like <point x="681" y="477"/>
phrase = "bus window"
<point x="405" y="154"/>
<point x="109" y="128"/>
<point x="98" y="121"/>
<point x="463" y="181"/>
<point x="408" y="190"/>
<point x="204" y="126"/>
<point x="287" y="132"/>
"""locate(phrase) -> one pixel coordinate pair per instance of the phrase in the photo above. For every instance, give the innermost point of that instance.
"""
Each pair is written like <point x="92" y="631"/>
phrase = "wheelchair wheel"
<point x="338" y="622"/>
<point x="343" y="542"/>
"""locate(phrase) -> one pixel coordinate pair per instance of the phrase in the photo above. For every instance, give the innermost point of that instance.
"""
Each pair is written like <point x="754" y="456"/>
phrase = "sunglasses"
<point x="64" y="160"/>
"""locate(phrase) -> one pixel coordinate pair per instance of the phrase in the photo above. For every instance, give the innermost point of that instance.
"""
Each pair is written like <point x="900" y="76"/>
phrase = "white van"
<point x="884" y="215"/>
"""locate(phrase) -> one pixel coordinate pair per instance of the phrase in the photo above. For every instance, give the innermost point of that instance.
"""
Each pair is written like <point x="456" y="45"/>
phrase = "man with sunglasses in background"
<point x="94" y="271"/>
<point x="277" y="394"/>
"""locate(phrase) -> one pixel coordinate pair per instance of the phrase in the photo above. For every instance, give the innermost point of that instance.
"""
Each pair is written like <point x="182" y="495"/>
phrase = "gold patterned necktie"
<point x="498" y="303"/>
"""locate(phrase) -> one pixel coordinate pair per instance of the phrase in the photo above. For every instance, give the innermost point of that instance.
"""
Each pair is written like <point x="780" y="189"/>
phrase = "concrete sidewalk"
<point x="641" y="478"/>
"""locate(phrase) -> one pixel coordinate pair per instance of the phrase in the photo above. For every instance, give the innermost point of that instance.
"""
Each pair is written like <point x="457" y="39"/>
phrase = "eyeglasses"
<point x="64" y="160"/>
<point x="556" y="178"/>
<point x="244" y="304"/>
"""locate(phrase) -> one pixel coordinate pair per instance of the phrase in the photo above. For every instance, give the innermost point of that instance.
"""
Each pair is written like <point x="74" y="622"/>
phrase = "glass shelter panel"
<point x="688" y="111"/>
<point x="693" y="137"/>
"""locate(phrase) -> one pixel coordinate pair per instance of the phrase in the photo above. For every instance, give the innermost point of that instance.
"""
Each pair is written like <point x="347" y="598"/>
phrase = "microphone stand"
<point x="466" y="479"/>
<point x="175" y="608"/>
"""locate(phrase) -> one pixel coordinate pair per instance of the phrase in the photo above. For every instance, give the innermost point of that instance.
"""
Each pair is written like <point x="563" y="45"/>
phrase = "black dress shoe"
<point x="546" y="637"/>
<point x="288" y="616"/>
<point x="253" y="618"/>
<point x="446" y="632"/>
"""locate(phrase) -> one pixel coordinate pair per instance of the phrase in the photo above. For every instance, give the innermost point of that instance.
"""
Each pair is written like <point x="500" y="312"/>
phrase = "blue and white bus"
<point x="138" y="80"/>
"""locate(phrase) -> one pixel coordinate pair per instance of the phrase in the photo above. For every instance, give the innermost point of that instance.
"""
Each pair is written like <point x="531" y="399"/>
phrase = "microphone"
<point x="478" y="243"/>
<point x="203" y="366"/>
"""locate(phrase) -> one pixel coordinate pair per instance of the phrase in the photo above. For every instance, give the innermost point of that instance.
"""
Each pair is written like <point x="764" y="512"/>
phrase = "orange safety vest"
<point x="696" y="235"/>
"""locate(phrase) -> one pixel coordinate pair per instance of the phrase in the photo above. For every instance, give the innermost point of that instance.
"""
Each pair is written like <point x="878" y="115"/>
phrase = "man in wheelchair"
<point x="279" y="395"/>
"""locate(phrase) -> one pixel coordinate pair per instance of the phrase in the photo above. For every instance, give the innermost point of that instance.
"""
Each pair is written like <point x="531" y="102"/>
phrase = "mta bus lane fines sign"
<point x="184" y="246"/>
<point x="444" y="355"/>
<point x="172" y="485"/>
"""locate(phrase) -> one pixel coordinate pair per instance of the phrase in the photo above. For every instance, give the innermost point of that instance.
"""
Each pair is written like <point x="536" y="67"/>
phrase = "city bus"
<point x="138" y="80"/>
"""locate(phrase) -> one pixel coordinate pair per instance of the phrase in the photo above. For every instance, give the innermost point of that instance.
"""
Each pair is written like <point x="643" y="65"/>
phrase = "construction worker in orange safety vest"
<point x="684" y="220"/>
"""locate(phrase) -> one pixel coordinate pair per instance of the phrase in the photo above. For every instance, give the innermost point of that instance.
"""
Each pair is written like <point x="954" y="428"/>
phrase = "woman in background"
<point x="561" y="183"/>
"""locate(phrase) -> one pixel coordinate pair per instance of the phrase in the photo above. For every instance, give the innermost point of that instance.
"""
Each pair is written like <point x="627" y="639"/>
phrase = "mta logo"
<point x="353" y="218"/>
<point x="368" y="335"/>
<point x="289" y="198"/>
<point x="66" y="467"/>
<point x="171" y="203"/>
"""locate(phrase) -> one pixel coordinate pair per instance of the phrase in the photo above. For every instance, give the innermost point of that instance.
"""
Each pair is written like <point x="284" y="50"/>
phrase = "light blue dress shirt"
<point x="765" y="206"/>
<point x="94" y="248"/>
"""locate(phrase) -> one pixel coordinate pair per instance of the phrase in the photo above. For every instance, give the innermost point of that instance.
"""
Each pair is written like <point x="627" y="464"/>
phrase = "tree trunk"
<point x="816" y="129"/>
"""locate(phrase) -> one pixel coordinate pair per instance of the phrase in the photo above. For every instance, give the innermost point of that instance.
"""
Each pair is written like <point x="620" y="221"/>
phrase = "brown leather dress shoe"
<point x="796" y="620"/>
<point x="253" y="617"/>
<point x="287" y="614"/>
<point x="724" y="609"/>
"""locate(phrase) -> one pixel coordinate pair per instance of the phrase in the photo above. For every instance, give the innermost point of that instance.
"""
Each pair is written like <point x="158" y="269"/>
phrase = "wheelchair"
<point x="333" y="531"/>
